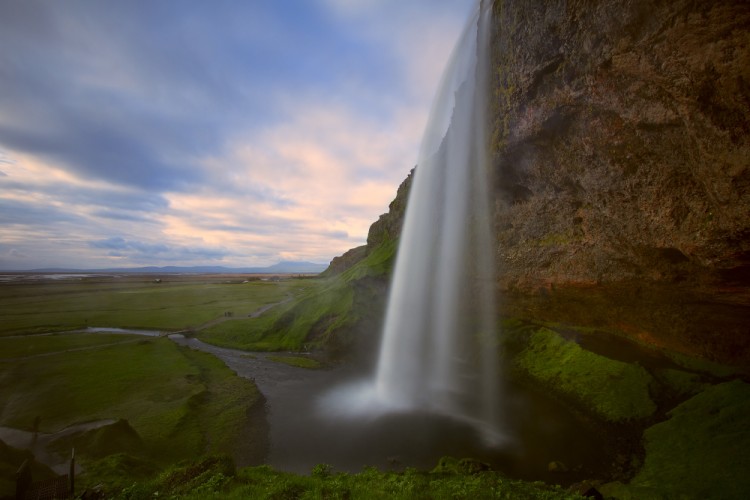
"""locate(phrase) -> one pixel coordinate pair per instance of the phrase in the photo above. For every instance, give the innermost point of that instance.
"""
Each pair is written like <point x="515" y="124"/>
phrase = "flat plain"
<point x="168" y="401"/>
<point x="170" y="302"/>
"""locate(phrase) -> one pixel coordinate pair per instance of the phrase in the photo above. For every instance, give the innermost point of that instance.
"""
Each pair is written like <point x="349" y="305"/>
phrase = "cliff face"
<point x="386" y="229"/>
<point x="621" y="156"/>
<point x="621" y="140"/>
<point x="621" y="150"/>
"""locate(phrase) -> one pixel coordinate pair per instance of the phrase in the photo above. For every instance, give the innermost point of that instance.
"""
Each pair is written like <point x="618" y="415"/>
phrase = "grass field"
<point x="176" y="303"/>
<point x="169" y="402"/>
<point x="41" y="345"/>
<point x="178" y="402"/>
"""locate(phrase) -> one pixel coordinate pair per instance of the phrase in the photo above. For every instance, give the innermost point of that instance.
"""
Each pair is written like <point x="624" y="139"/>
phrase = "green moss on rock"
<point x="613" y="390"/>
<point x="682" y="382"/>
<point x="702" y="365"/>
<point x="701" y="451"/>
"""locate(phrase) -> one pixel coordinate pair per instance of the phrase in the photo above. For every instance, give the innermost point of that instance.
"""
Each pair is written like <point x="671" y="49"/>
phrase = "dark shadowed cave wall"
<point x="620" y="150"/>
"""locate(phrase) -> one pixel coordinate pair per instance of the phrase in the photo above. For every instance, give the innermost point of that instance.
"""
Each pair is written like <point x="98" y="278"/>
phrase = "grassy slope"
<point x="701" y="451"/>
<point x="180" y="402"/>
<point x="317" y="317"/>
<point x="44" y="307"/>
<point x="10" y="461"/>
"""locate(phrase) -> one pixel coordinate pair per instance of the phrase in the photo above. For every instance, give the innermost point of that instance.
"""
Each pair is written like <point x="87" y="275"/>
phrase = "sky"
<point x="231" y="133"/>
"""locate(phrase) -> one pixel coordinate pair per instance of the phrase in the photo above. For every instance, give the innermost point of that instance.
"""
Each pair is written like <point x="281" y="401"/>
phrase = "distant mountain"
<point x="279" y="268"/>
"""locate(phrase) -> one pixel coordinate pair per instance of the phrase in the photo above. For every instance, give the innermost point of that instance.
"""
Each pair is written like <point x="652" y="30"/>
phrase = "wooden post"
<point x="72" y="475"/>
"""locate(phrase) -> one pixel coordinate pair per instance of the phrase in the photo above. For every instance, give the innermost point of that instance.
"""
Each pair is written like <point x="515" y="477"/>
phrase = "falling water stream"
<point x="438" y="354"/>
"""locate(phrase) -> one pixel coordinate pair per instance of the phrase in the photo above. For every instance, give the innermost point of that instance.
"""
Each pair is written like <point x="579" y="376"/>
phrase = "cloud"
<point x="178" y="131"/>
<point x="420" y="35"/>
<point x="324" y="166"/>
<point x="142" y="251"/>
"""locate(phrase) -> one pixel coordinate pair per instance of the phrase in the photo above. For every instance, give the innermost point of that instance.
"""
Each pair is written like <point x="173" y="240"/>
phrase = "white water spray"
<point x="438" y="352"/>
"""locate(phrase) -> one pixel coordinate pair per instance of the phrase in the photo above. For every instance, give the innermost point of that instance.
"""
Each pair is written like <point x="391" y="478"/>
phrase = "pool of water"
<point x="538" y="429"/>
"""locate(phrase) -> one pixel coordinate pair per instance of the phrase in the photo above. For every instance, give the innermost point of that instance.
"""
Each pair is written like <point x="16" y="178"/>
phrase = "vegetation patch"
<point x="701" y="451"/>
<point x="57" y="306"/>
<point x="315" y="318"/>
<point x="111" y="439"/>
<point x="613" y="390"/>
<point x="681" y="382"/>
<point x="35" y="345"/>
<point x="10" y="461"/>
<point x="702" y="365"/>
<point x="297" y="361"/>
<point x="179" y="402"/>
<point x="113" y="473"/>
<point x="216" y="478"/>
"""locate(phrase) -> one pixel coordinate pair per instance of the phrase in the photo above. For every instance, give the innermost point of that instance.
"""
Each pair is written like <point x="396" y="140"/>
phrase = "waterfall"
<point x="438" y="352"/>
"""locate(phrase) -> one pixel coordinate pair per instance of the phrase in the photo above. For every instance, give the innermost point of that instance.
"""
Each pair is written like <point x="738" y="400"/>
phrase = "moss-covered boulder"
<point x="118" y="437"/>
<point x="701" y="451"/>
<point x="610" y="389"/>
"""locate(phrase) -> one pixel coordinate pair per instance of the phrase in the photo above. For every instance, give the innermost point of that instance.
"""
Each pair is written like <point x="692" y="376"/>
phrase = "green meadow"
<point x="167" y="402"/>
<point x="175" y="303"/>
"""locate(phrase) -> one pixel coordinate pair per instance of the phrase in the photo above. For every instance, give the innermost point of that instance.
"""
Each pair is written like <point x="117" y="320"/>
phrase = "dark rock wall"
<point x="621" y="141"/>
<point x="621" y="148"/>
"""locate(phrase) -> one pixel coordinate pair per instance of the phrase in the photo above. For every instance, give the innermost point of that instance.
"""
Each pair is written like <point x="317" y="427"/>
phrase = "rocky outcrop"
<point x="621" y="149"/>
<point x="388" y="226"/>
<point x="386" y="229"/>
<point x="345" y="261"/>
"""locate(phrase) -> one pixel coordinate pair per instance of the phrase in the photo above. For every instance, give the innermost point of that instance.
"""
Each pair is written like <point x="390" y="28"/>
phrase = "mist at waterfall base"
<point x="438" y="358"/>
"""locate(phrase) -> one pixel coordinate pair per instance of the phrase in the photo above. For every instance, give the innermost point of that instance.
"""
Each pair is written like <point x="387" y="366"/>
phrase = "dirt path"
<point x="254" y="314"/>
<point x="223" y="318"/>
